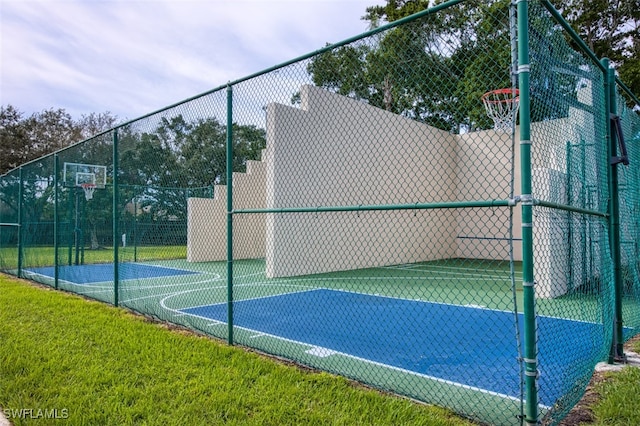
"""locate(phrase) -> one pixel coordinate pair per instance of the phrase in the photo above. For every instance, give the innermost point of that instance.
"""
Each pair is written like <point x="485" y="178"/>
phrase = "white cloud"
<point x="133" y="57"/>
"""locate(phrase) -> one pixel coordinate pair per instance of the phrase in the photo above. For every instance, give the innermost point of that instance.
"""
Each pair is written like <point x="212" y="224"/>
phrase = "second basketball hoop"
<point x="502" y="108"/>
<point x="88" y="190"/>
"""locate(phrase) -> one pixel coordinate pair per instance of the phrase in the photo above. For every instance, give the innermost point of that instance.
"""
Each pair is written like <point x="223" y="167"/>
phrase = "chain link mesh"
<point x="374" y="223"/>
<point x="629" y="189"/>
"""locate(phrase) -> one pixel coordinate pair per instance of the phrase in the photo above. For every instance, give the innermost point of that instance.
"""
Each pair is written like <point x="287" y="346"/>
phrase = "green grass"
<point x="97" y="364"/>
<point x="44" y="256"/>
<point x="619" y="393"/>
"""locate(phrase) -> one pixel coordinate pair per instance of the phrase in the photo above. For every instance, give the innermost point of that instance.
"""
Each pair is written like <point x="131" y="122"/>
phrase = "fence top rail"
<point x="584" y="48"/>
<point x="628" y="92"/>
<point x="382" y="207"/>
<point x="572" y="33"/>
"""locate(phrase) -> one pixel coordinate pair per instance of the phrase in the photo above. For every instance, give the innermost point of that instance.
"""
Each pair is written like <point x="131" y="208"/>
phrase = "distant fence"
<point x="355" y="210"/>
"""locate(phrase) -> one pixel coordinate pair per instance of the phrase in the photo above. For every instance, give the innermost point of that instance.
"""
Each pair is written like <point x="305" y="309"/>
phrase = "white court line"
<point x="428" y="267"/>
<point x="106" y="289"/>
<point x="191" y="271"/>
<point x="449" y="274"/>
<point x="170" y="295"/>
<point x="312" y="288"/>
<point x="212" y="280"/>
<point x="391" y="367"/>
<point x="257" y="298"/>
<point x="255" y="336"/>
<point x="217" y="278"/>
<point x="96" y="285"/>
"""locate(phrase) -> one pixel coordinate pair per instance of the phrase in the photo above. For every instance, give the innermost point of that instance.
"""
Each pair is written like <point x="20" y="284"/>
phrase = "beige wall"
<point x="335" y="151"/>
<point x="484" y="173"/>
<point x="207" y="219"/>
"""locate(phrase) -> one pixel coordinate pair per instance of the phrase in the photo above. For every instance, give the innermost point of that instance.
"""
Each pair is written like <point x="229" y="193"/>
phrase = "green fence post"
<point x="116" y="273"/>
<point x="529" y="309"/>
<point x="20" y="223"/>
<point x="83" y="214"/>
<point x="611" y="109"/>
<point x="135" y="228"/>
<point x="56" y="218"/>
<point x="230" y="213"/>
<point x="72" y="234"/>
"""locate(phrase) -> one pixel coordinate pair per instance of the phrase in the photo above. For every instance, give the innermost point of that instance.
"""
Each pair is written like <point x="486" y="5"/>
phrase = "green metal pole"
<point x="135" y="229"/>
<point x="529" y="308"/>
<point x="56" y="219"/>
<point x="614" y="213"/>
<point x="583" y="198"/>
<point x="72" y="234"/>
<point x="76" y="231"/>
<point x="230" y="213"/>
<point x="116" y="272"/>
<point x="20" y="224"/>
<point x="83" y="215"/>
<point x="570" y="232"/>
<point x="385" y="207"/>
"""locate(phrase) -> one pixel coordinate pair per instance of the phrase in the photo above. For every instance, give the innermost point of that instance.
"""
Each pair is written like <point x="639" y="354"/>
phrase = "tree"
<point x="27" y="139"/>
<point x="611" y="28"/>
<point x="433" y="70"/>
<point x="94" y="123"/>
<point x="23" y="139"/>
<point x="51" y="130"/>
<point x="13" y="138"/>
<point x="163" y="167"/>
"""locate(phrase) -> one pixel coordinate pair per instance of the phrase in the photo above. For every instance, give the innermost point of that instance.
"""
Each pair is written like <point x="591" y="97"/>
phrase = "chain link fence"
<point x="357" y="210"/>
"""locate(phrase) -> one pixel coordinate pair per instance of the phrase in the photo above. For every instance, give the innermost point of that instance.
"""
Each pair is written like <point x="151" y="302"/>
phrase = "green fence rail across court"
<point x="443" y="208"/>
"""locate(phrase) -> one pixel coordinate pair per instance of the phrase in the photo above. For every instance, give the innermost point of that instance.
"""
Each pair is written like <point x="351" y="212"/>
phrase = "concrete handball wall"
<point x="207" y="219"/>
<point x="484" y="172"/>
<point x="335" y="151"/>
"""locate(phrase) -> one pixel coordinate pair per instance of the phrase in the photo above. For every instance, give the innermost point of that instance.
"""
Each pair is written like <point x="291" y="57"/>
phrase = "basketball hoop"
<point x="502" y="108"/>
<point x="88" y="190"/>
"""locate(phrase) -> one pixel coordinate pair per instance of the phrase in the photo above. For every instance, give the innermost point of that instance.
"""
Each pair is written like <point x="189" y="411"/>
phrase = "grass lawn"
<point x="619" y="394"/>
<point x="97" y="365"/>
<point x="44" y="256"/>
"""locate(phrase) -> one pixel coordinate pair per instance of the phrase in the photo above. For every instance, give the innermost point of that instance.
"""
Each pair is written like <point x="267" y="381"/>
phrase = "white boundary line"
<point x="258" y="334"/>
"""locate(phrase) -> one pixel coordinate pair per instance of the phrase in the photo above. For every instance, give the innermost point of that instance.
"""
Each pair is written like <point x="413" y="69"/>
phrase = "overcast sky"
<point x="134" y="57"/>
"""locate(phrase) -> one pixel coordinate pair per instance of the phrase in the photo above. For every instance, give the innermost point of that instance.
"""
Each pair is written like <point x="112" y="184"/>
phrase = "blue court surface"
<point x="480" y="349"/>
<point x="103" y="272"/>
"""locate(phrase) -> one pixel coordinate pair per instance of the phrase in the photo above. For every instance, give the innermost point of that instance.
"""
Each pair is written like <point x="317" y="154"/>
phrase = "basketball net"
<point x="502" y="108"/>
<point x="88" y="190"/>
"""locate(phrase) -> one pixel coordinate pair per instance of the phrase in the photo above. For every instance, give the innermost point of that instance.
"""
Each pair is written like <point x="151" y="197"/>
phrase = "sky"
<point x="133" y="57"/>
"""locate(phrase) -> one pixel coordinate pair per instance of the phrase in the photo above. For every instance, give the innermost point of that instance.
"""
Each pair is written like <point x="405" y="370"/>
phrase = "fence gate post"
<point x="56" y="219"/>
<point x="20" y="222"/>
<point x="229" y="182"/>
<point x="116" y="272"/>
<point x="529" y="309"/>
<point x="611" y="110"/>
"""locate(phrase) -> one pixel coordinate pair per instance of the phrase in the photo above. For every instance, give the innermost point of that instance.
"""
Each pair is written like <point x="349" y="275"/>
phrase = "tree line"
<point x="162" y="161"/>
<point x="436" y="69"/>
<point x="610" y="28"/>
<point x="24" y="138"/>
